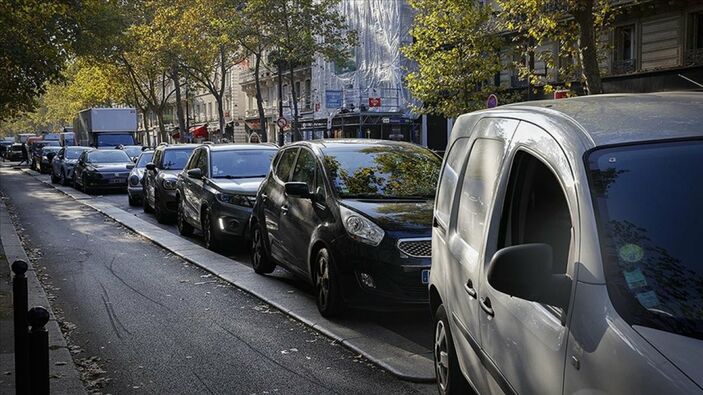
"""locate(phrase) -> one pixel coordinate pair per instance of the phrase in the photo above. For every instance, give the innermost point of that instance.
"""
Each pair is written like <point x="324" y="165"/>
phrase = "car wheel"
<point x="145" y="204"/>
<point x="211" y="238"/>
<point x="132" y="201"/>
<point x="54" y="179"/>
<point x="158" y="211"/>
<point x="260" y="260"/>
<point x="329" y="293"/>
<point x="85" y="187"/>
<point x="184" y="228"/>
<point x="450" y="380"/>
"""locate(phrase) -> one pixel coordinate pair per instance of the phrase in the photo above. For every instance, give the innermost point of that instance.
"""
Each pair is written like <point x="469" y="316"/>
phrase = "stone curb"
<point x="414" y="363"/>
<point x="65" y="378"/>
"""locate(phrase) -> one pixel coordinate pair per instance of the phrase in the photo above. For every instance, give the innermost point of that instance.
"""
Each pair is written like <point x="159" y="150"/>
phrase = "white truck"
<point x="105" y="127"/>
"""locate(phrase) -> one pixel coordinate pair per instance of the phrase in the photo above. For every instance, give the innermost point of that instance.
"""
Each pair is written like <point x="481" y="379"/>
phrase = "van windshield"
<point x="113" y="140"/>
<point x="383" y="171"/>
<point x="649" y="200"/>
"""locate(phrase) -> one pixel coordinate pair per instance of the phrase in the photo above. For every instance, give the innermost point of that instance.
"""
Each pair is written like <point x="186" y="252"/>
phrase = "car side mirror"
<point x="151" y="166"/>
<point x="196" y="173"/>
<point x="525" y="271"/>
<point x="130" y="166"/>
<point x="297" y="189"/>
<point x="50" y="155"/>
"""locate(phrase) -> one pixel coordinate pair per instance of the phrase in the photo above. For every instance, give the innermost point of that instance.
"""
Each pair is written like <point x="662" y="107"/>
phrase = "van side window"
<point x="285" y="164"/>
<point x="536" y="210"/>
<point x="477" y="190"/>
<point x="450" y="175"/>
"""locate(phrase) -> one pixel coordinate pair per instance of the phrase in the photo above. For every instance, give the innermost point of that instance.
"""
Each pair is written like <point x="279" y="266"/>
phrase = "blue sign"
<point x="492" y="101"/>
<point x="333" y="99"/>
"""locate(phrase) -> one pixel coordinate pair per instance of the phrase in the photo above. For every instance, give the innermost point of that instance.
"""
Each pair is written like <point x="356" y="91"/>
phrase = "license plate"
<point x="118" y="181"/>
<point x="425" y="275"/>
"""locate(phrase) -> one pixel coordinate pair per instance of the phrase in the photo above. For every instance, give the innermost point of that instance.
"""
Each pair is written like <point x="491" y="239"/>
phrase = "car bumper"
<point x="106" y="182"/>
<point x="396" y="281"/>
<point x="135" y="192"/>
<point x="230" y="219"/>
<point x="167" y="199"/>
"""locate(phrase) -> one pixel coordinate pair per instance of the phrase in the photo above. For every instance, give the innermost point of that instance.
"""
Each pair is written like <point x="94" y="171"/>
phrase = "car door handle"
<point x="469" y="288"/>
<point x="264" y="197"/>
<point x="486" y="306"/>
<point x="436" y="224"/>
<point x="284" y="210"/>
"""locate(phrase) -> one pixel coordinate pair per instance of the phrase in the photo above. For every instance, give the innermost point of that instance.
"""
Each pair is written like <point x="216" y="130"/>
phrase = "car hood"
<point x="139" y="172"/>
<point x="246" y="185"/>
<point x="396" y="215"/>
<point x="168" y="173"/>
<point x="686" y="353"/>
<point x="107" y="167"/>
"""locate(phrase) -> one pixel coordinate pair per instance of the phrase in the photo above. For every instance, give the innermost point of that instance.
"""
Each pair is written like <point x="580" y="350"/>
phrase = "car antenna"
<point x="691" y="81"/>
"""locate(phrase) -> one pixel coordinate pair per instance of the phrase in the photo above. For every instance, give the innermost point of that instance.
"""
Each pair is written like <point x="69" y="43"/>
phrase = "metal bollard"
<point x="19" y="305"/>
<point x="38" y="351"/>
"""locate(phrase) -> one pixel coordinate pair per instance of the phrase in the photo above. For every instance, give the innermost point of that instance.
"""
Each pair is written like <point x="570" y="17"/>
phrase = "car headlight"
<point x="169" y="183"/>
<point x="237" y="200"/>
<point x="134" y="180"/>
<point x="361" y="228"/>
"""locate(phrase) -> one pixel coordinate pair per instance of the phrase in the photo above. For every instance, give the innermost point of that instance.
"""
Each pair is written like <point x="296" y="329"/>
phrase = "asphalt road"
<point x="157" y="324"/>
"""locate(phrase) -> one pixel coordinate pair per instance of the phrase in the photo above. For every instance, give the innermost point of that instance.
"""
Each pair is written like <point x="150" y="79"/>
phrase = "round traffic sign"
<point x="492" y="101"/>
<point x="282" y="122"/>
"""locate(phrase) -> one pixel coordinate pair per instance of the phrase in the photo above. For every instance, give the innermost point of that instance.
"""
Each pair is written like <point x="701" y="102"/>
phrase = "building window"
<point x="209" y="111"/>
<point x="694" y="47"/>
<point x="625" y="50"/>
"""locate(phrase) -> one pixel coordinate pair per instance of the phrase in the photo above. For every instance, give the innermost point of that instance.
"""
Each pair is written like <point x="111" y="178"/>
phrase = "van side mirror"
<point x="297" y="189"/>
<point x="151" y="166"/>
<point x="525" y="271"/>
<point x="196" y="173"/>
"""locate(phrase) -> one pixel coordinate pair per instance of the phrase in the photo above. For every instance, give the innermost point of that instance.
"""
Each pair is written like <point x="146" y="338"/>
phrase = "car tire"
<point x="328" y="291"/>
<point x="64" y="180"/>
<point x="161" y="217"/>
<point x="84" y="186"/>
<point x="260" y="259"/>
<point x="145" y="205"/>
<point x="184" y="228"/>
<point x="132" y="201"/>
<point x="450" y="380"/>
<point x="211" y="239"/>
<point x="54" y="179"/>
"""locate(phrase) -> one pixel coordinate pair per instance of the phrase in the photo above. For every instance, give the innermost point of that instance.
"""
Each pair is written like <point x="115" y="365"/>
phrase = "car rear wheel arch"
<point x="435" y="300"/>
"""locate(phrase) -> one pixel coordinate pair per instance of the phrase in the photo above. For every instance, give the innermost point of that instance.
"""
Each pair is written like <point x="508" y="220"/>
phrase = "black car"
<point x="47" y="153"/>
<point x="63" y="163"/>
<point x="103" y="169"/>
<point x="353" y="217"/>
<point x="217" y="190"/>
<point x="40" y="161"/>
<point x="14" y="152"/>
<point x="160" y="179"/>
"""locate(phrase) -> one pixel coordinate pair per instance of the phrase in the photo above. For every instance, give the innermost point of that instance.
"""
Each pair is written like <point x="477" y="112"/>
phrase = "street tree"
<point x="456" y="51"/>
<point x="575" y="26"/>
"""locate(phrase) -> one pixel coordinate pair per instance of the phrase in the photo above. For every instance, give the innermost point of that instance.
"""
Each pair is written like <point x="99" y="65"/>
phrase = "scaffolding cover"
<point x="372" y="78"/>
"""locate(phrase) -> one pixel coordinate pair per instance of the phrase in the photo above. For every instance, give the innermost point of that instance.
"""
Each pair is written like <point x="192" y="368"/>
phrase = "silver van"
<point x="567" y="248"/>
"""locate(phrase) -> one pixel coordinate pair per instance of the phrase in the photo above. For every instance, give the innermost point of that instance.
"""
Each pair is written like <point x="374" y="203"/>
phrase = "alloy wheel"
<point x="257" y="248"/>
<point x="441" y="356"/>
<point x="207" y="231"/>
<point x="323" y="280"/>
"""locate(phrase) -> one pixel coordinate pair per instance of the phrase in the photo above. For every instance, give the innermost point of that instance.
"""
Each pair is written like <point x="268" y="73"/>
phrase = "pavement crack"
<point x="203" y="383"/>
<point x="111" y="311"/>
<point x="112" y="321"/>
<point x="131" y="287"/>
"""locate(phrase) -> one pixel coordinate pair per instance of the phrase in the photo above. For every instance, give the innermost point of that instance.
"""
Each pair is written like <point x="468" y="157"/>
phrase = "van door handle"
<point x="486" y="306"/>
<point x="469" y="288"/>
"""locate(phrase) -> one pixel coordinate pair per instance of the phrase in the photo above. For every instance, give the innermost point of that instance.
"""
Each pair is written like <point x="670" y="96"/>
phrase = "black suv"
<point x="353" y="217"/>
<point x="217" y="189"/>
<point x="160" y="179"/>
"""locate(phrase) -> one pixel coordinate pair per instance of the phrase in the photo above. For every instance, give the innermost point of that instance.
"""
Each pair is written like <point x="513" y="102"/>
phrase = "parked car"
<point x="104" y="169"/>
<point x="135" y="189"/>
<point x="353" y="217"/>
<point x="160" y="179"/>
<point x="47" y="154"/>
<point x="4" y="148"/>
<point x="132" y="150"/>
<point x="217" y="189"/>
<point x="14" y="152"/>
<point x="565" y="248"/>
<point x="63" y="164"/>
<point x="38" y="158"/>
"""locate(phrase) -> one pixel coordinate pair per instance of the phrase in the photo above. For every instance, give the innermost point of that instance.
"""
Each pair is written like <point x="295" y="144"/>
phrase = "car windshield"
<point x="133" y="150"/>
<point x="46" y="150"/>
<point x="108" y="156"/>
<point x="113" y="140"/>
<point x="649" y="200"/>
<point x="241" y="163"/>
<point x="383" y="171"/>
<point x="144" y="159"/>
<point x="175" y="159"/>
<point x="73" y="153"/>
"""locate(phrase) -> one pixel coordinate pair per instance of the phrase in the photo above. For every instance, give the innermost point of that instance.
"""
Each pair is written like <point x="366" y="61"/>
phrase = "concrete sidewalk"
<point x="65" y="378"/>
<point x="400" y="356"/>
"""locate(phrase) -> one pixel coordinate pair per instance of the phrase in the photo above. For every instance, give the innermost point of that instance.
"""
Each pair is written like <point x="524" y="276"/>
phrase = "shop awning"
<point x="199" y="131"/>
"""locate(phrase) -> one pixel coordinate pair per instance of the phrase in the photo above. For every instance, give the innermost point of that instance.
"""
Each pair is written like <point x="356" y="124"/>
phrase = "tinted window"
<point x="305" y="169"/>
<point x="477" y="190"/>
<point x="133" y="151"/>
<point x="286" y="163"/>
<point x="241" y="164"/>
<point x="144" y="158"/>
<point x="175" y="159"/>
<point x="450" y="176"/>
<point x="648" y="200"/>
<point x="201" y="162"/>
<point x="113" y="140"/>
<point x="73" y="153"/>
<point x="108" y="156"/>
<point x="193" y="160"/>
<point x="383" y="171"/>
<point x="46" y="150"/>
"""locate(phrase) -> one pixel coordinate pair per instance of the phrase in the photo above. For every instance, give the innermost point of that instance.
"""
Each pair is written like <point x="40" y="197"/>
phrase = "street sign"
<point x="282" y="122"/>
<point x="386" y="120"/>
<point x="333" y="99"/>
<point x="374" y="102"/>
<point x="492" y="101"/>
<point x="561" y="94"/>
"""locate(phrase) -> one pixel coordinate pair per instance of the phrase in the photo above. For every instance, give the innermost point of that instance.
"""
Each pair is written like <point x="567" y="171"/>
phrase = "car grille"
<point x="416" y="248"/>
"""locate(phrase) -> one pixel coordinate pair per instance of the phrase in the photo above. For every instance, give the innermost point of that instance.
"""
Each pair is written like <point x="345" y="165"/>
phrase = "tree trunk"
<point x="221" y="114"/>
<point x="176" y="77"/>
<point x="220" y="98"/>
<point x="162" y="128"/>
<point x="259" y="100"/>
<point x="294" y="100"/>
<point x="588" y="49"/>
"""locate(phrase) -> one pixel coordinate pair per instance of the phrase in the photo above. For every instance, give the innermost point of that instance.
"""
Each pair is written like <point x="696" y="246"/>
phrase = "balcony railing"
<point x="625" y="66"/>
<point x="693" y="57"/>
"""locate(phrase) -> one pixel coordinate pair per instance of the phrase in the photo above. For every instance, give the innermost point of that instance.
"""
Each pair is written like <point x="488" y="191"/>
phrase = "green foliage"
<point x="456" y="50"/>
